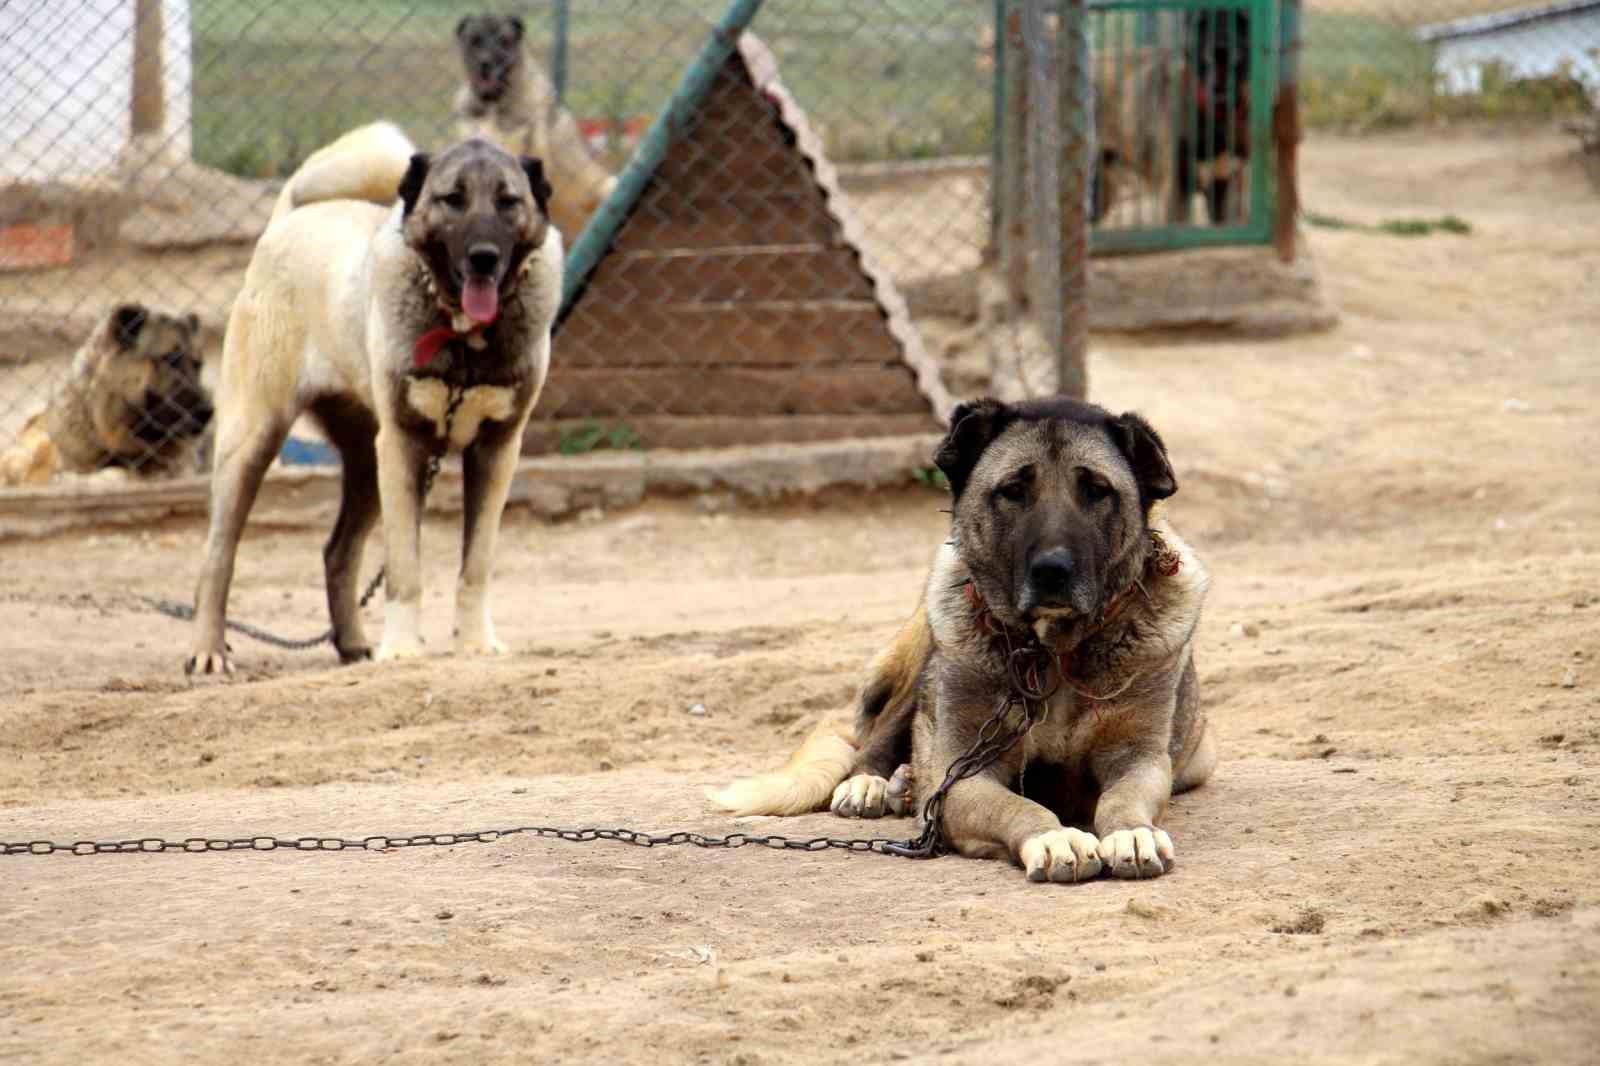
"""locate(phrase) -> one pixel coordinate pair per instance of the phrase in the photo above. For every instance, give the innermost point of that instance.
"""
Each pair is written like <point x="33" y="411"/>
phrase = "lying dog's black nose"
<point x="1050" y="574"/>
<point x="483" y="258"/>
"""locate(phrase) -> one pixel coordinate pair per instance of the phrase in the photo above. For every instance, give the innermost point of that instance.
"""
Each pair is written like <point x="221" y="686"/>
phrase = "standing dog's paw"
<point x="1138" y="853"/>
<point x="398" y="649"/>
<point x="861" y="796"/>
<point x="482" y="646"/>
<point x="207" y="660"/>
<point x="1066" y="855"/>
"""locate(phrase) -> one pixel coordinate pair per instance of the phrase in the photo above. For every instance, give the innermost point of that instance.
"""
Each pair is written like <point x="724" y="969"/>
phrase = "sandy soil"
<point x="1396" y="862"/>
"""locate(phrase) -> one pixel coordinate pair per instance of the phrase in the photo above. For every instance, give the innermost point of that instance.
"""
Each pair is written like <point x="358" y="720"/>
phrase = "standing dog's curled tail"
<point x="365" y="164"/>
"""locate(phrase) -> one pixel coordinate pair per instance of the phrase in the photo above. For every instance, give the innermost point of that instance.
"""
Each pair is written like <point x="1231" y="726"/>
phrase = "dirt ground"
<point x="1396" y="862"/>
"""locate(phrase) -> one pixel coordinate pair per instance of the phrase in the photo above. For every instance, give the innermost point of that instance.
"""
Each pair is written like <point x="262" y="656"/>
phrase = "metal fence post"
<point x="149" y="113"/>
<point x="1044" y="157"/>
<point x="1012" y="176"/>
<point x="1076" y="142"/>
<point x="1286" y="129"/>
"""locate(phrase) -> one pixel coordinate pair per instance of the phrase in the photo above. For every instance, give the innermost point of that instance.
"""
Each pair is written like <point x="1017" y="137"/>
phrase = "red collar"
<point x="432" y="342"/>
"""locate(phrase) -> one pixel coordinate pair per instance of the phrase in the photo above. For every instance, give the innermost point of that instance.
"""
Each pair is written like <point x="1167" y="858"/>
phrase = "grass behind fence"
<point x="897" y="79"/>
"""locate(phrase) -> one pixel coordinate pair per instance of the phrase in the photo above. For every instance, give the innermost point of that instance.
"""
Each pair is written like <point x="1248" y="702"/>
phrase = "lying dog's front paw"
<point x="902" y="796"/>
<point x="1067" y="855"/>
<point x="862" y="796"/>
<point x="1142" y="852"/>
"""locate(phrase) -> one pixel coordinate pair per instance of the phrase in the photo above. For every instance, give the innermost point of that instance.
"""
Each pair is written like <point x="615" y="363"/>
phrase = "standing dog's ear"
<point x="127" y="321"/>
<point x="542" y="192"/>
<point x="1147" y="457"/>
<point x="411" y="184"/>
<point x="972" y="427"/>
<point x="516" y="28"/>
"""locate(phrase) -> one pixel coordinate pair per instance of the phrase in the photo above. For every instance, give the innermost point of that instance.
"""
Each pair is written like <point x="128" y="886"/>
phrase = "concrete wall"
<point x="1532" y="50"/>
<point x="66" y="79"/>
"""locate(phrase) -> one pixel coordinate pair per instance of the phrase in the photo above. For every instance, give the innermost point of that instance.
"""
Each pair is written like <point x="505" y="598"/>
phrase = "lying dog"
<point x="508" y="99"/>
<point x="404" y="331"/>
<point x="132" y="400"/>
<point x="1057" y="546"/>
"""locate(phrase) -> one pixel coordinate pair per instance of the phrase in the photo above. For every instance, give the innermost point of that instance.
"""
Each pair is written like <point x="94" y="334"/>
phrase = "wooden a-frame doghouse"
<point x="723" y="295"/>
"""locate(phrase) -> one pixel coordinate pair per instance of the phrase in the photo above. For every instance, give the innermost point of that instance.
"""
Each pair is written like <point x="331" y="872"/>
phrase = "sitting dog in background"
<point x="405" y="331"/>
<point x="1057" y="550"/>
<point x="508" y="100"/>
<point x="132" y="400"/>
<point x="1214" y="143"/>
<point x="1135" y="129"/>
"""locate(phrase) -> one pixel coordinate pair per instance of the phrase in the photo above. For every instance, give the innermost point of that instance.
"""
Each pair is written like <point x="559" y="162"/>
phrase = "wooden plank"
<point x="805" y="335"/>
<point x="721" y="431"/>
<point x="728" y="216"/>
<point x="600" y="393"/>
<point x="744" y="273"/>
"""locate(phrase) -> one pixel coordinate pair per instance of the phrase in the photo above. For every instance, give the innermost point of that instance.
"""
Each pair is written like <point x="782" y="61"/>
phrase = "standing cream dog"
<point x="405" y="331"/>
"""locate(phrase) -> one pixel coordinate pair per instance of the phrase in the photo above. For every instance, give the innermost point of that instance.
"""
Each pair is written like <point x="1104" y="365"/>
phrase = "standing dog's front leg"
<point x="1135" y="785"/>
<point x="400" y="465"/>
<point x="487" y="467"/>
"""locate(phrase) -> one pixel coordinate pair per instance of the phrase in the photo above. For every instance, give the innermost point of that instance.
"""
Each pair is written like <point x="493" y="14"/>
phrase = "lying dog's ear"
<point x="192" y="320"/>
<point x="1147" y="457"/>
<point x="462" y="27"/>
<point x="127" y="321"/>
<point x="516" y="28"/>
<point x="411" y="184"/>
<point x="542" y="192"/>
<point x="972" y="427"/>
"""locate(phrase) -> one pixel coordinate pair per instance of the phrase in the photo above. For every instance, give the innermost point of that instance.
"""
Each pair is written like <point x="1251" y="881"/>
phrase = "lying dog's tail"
<point x="806" y="781"/>
<point x="833" y="750"/>
<point x="365" y="164"/>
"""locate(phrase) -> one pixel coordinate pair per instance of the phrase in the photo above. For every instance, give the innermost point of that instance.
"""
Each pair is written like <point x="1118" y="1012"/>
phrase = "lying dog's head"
<point x="491" y="50"/>
<point x="474" y="214"/>
<point x="1052" y="506"/>
<point x="145" y="394"/>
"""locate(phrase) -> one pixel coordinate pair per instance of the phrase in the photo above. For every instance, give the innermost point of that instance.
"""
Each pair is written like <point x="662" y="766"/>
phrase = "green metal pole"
<point x="558" y="50"/>
<point x="673" y="119"/>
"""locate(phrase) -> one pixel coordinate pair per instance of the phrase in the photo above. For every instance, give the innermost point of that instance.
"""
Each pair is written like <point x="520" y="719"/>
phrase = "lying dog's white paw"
<point x="408" y="648"/>
<point x="862" y="796"/>
<point x="1141" y="852"/>
<point x="1066" y="855"/>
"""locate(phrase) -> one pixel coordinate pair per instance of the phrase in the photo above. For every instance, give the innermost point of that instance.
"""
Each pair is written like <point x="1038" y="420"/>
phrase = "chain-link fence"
<point x="812" y="247"/>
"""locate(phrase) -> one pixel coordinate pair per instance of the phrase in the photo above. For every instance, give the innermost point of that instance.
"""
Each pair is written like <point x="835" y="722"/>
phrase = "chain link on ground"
<point x="1028" y="669"/>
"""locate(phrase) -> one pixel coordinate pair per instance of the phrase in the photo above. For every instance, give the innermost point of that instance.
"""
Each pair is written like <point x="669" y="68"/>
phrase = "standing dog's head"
<point x="491" y="51"/>
<point x="474" y="214"/>
<point x="1051" y="508"/>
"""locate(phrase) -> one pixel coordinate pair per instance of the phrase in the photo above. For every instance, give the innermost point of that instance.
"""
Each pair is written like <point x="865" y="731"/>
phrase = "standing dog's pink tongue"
<point x="481" y="300"/>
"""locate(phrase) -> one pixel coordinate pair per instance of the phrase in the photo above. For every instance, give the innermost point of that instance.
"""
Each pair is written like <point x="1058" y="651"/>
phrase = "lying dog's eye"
<point x="508" y="203"/>
<point x="453" y="200"/>
<point x="1095" y="490"/>
<point x="1013" y="492"/>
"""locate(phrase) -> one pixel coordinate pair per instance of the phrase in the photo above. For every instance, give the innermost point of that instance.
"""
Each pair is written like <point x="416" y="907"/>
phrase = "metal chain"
<point x="184" y="612"/>
<point x="997" y="736"/>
